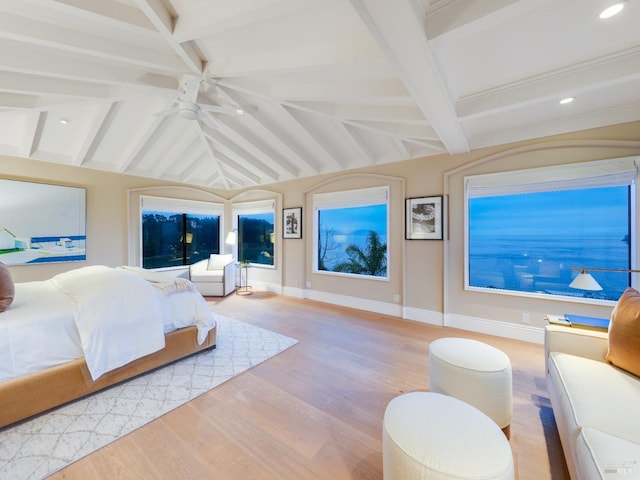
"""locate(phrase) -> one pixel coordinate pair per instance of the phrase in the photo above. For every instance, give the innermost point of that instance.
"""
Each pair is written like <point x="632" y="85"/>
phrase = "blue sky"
<point x="553" y="213"/>
<point x="346" y="221"/>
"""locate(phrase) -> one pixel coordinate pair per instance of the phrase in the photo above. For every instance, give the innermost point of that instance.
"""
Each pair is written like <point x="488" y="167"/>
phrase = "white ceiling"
<point x="326" y="85"/>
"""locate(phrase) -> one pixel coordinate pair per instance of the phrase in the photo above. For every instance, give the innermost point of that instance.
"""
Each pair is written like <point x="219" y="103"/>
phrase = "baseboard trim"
<point x="526" y="333"/>
<point x="423" y="316"/>
<point x="354" y="302"/>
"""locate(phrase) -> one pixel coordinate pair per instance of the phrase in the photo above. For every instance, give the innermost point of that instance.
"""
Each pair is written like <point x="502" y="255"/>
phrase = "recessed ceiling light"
<point x="564" y="101"/>
<point x="65" y="121"/>
<point x="612" y="10"/>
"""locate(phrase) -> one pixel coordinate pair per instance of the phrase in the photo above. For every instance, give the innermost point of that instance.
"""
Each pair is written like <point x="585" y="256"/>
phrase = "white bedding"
<point x="109" y="316"/>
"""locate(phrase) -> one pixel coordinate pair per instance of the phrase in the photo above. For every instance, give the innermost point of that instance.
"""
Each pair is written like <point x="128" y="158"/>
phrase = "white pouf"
<point x="473" y="372"/>
<point x="429" y="436"/>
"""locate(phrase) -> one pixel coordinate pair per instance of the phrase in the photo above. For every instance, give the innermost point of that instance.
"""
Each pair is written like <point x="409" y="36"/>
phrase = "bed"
<point x="92" y="327"/>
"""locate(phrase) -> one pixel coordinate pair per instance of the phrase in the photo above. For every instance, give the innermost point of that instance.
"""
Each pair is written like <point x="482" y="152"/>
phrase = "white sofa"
<point x="214" y="276"/>
<point x="596" y="405"/>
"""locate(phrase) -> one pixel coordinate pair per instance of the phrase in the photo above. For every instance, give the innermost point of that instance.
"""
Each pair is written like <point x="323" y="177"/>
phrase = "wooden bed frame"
<point x="38" y="392"/>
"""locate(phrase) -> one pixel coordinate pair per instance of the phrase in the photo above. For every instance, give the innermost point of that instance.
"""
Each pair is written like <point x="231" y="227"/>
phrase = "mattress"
<point x="39" y="330"/>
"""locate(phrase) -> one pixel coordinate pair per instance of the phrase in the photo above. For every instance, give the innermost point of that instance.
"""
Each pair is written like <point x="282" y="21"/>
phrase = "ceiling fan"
<point x="188" y="106"/>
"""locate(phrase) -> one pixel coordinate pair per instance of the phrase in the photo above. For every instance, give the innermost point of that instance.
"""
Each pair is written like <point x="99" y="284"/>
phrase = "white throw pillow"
<point x="217" y="262"/>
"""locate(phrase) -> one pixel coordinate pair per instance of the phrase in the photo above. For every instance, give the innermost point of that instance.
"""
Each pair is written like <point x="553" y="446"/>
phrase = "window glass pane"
<point x="256" y="238"/>
<point x="529" y="242"/>
<point x="164" y="233"/>
<point x="353" y="240"/>
<point x="203" y="237"/>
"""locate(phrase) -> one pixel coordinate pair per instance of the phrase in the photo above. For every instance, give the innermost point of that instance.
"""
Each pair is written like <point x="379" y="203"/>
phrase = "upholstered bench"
<point x="428" y="436"/>
<point x="473" y="372"/>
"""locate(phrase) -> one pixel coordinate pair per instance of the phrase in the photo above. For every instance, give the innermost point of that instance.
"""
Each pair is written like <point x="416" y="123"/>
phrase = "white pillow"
<point x="217" y="262"/>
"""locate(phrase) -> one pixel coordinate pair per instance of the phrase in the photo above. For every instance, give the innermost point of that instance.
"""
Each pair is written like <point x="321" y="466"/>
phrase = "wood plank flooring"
<point x="315" y="411"/>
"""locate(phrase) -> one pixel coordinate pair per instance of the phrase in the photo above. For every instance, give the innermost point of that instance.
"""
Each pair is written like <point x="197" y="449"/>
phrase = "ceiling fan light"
<point x="612" y="10"/>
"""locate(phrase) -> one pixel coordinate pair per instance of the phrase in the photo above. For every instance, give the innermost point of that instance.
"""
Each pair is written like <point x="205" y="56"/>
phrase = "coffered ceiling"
<point x="284" y="89"/>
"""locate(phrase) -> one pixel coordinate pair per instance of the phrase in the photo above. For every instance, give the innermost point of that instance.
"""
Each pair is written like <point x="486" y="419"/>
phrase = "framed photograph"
<point x="423" y="218"/>
<point x="292" y="222"/>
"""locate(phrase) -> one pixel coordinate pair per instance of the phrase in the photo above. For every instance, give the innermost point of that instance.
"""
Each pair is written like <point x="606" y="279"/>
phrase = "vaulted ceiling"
<point x="231" y="94"/>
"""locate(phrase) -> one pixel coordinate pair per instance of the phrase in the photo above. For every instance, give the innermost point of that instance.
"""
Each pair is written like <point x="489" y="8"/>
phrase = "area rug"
<point x="43" y="445"/>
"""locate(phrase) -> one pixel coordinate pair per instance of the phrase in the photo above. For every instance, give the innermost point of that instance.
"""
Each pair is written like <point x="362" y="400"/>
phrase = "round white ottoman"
<point x="473" y="372"/>
<point x="432" y="436"/>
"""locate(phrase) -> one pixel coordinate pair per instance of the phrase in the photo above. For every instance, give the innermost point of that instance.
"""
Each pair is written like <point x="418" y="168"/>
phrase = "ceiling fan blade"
<point x="207" y="120"/>
<point x="216" y="108"/>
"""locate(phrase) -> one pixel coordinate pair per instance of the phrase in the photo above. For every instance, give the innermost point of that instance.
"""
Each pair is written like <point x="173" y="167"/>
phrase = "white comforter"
<point x="112" y="316"/>
<point x="117" y="314"/>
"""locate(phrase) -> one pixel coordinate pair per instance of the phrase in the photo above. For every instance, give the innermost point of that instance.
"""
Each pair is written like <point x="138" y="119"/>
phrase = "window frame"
<point x="583" y="175"/>
<point x="360" y="197"/>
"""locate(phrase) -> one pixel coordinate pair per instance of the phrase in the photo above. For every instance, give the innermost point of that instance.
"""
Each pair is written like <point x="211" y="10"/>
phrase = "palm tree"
<point x="370" y="261"/>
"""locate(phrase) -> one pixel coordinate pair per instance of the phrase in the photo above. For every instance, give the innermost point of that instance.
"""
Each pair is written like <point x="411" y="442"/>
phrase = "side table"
<point x="244" y="288"/>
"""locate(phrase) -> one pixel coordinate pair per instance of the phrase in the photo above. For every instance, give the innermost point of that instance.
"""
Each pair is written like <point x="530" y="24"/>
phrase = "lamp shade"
<point x="584" y="281"/>
<point x="231" y="238"/>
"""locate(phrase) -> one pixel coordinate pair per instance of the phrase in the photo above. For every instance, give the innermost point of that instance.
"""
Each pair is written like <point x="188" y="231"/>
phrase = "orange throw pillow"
<point x="7" y="288"/>
<point x="624" y="333"/>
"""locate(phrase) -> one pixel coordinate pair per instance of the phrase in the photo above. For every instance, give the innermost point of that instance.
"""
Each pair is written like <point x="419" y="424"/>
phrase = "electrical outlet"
<point x="526" y="317"/>
<point x="397" y="298"/>
<point x="308" y="284"/>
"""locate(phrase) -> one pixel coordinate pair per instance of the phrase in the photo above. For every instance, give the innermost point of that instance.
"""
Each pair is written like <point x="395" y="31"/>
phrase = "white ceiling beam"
<point x="306" y="137"/>
<point x="117" y="15"/>
<point x="237" y="151"/>
<point x="179" y="153"/>
<point x="30" y="31"/>
<point x="276" y="137"/>
<point x="16" y="101"/>
<point x="33" y="122"/>
<point x="398" y="27"/>
<point x="130" y="156"/>
<point x="398" y="131"/>
<point x="356" y="143"/>
<point x="388" y="91"/>
<point x="19" y="58"/>
<point x="215" y="17"/>
<point x="95" y="134"/>
<point x="237" y="168"/>
<point x="380" y="113"/>
<point x="402" y="148"/>
<point x="161" y="18"/>
<point x="592" y="75"/>
<point x="191" y="167"/>
<point x="450" y="15"/>
<point x="392" y="130"/>
<point x="17" y="83"/>
<point x="203" y="133"/>
<point x="320" y="56"/>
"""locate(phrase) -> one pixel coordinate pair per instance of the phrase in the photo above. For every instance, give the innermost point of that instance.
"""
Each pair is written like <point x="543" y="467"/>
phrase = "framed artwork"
<point x="292" y="222"/>
<point x="41" y="223"/>
<point x="423" y="218"/>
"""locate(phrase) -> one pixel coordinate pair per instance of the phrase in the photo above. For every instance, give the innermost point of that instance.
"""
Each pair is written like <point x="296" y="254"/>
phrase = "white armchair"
<point x="214" y="276"/>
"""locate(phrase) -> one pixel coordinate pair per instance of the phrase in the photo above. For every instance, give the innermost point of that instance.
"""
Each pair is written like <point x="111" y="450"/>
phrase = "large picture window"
<point x="351" y="232"/>
<point x="178" y="232"/>
<point x="256" y="232"/>
<point x="527" y="229"/>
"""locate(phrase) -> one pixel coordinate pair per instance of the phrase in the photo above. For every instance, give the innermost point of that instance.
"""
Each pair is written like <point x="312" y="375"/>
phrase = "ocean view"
<point x="543" y="263"/>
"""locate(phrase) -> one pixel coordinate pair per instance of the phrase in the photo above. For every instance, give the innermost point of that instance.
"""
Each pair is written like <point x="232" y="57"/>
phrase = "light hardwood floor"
<point x="315" y="411"/>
